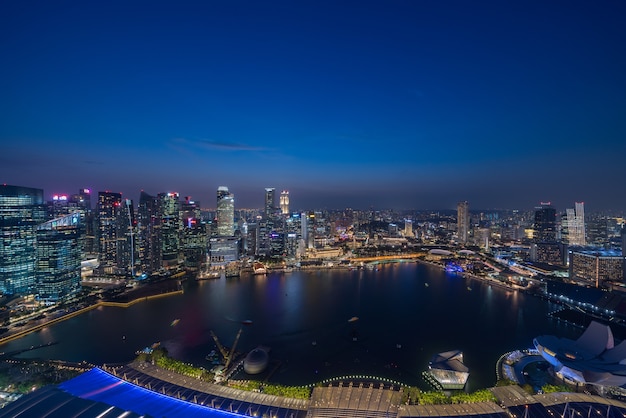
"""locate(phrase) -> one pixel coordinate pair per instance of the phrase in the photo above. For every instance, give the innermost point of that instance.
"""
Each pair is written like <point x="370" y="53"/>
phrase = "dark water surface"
<point x="406" y="313"/>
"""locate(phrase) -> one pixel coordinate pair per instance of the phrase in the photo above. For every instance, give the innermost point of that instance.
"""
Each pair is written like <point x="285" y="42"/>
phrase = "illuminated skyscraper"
<point x="225" y="212"/>
<point x="408" y="228"/>
<point x="462" y="221"/>
<point x="112" y="229"/>
<point x="21" y="210"/>
<point x="545" y="223"/>
<point x="58" y="257"/>
<point x="148" y="234"/>
<point x="194" y="237"/>
<point x="284" y="202"/>
<point x="574" y="225"/>
<point x="624" y="251"/>
<point x="270" y="202"/>
<point x="170" y="225"/>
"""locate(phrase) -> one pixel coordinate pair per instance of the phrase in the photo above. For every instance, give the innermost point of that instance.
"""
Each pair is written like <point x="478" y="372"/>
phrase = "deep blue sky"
<point x="391" y="104"/>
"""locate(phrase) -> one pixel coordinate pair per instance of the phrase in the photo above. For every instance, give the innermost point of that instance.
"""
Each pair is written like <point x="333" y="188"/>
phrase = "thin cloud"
<point x="219" y="145"/>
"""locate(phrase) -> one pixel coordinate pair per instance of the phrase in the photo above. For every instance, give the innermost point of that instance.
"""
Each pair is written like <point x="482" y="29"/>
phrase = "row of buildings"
<point x="562" y="240"/>
<point x="42" y="243"/>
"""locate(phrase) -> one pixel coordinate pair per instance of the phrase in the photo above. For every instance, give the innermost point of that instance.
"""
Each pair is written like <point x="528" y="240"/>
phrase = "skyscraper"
<point x="462" y="221"/>
<point x="624" y="250"/>
<point x="284" y="202"/>
<point x="545" y="223"/>
<point x="58" y="257"/>
<point x="21" y="210"/>
<point x="148" y="234"/>
<point x="225" y="212"/>
<point x="169" y="217"/>
<point x="573" y="229"/>
<point x="270" y="202"/>
<point x="112" y="228"/>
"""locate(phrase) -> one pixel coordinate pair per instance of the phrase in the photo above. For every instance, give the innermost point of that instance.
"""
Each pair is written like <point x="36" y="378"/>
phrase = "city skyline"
<point x="402" y="105"/>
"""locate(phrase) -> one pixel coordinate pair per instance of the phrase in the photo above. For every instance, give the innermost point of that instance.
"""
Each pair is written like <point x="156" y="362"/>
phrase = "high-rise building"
<point x="225" y="212"/>
<point x="463" y="221"/>
<point x="284" y="202"/>
<point x="194" y="237"/>
<point x="545" y="223"/>
<point x="148" y="234"/>
<point x="58" y="257"/>
<point x="574" y="225"/>
<point x="624" y="251"/>
<point x="112" y="233"/>
<point x="82" y="200"/>
<point x="21" y="210"/>
<point x="408" y="228"/>
<point x="270" y="202"/>
<point x="170" y="225"/>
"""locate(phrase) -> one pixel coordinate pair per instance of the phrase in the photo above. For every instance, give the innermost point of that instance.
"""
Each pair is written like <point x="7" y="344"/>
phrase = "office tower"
<point x="128" y="242"/>
<point x="597" y="232"/>
<point x="624" y="251"/>
<point x="194" y="237"/>
<point x="225" y="212"/>
<point x="148" y="234"/>
<point x="308" y="229"/>
<point x="462" y="221"/>
<point x="82" y="201"/>
<point x="270" y="202"/>
<point x="574" y="225"/>
<point x="58" y="257"/>
<point x="408" y="228"/>
<point x="58" y="206"/>
<point x="113" y="231"/>
<point x="545" y="223"/>
<point x="284" y="202"/>
<point x="168" y="208"/>
<point x="21" y="210"/>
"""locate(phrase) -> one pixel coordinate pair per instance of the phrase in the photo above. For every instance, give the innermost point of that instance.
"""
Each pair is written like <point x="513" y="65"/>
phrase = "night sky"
<point x="391" y="104"/>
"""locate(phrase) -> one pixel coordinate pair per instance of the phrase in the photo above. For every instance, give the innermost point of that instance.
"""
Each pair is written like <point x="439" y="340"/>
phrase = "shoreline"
<point x="19" y="334"/>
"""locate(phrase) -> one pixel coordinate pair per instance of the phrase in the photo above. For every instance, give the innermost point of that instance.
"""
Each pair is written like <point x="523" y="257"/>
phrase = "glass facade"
<point x="225" y="212"/>
<point x="58" y="257"/>
<point x="21" y="210"/>
<point x="111" y="230"/>
<point x="169" y="207"/>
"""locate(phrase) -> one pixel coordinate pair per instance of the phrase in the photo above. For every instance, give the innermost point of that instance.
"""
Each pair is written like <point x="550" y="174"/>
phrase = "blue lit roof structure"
<point x="52" y="402"/>
<point x="97" y="385"/>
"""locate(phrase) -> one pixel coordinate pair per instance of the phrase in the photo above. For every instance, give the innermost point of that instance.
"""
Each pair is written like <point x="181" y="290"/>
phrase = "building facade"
<point x="573" y="226"/>
<point x="21" y="210"/>
<point x="58" y="257"/>
<point x="116" y="220"/>
<point x="545" y="224"/>
<point x="148" y="234"/>
<point x="463" y="221"/>
<point x="270" y="202"/>
<point x="595" y="268"/>
<point x="170" y="226"/>
<point x="284" y="202"/>
<point x="225" y="212"/>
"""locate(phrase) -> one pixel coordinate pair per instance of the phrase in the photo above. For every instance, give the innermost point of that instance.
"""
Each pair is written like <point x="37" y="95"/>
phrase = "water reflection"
<point x="406" y="313"/>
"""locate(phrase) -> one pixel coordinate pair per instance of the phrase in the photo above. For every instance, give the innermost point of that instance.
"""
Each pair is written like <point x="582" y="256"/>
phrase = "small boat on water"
<point x="353" y="319"/>
<point x="209" y="274"/>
